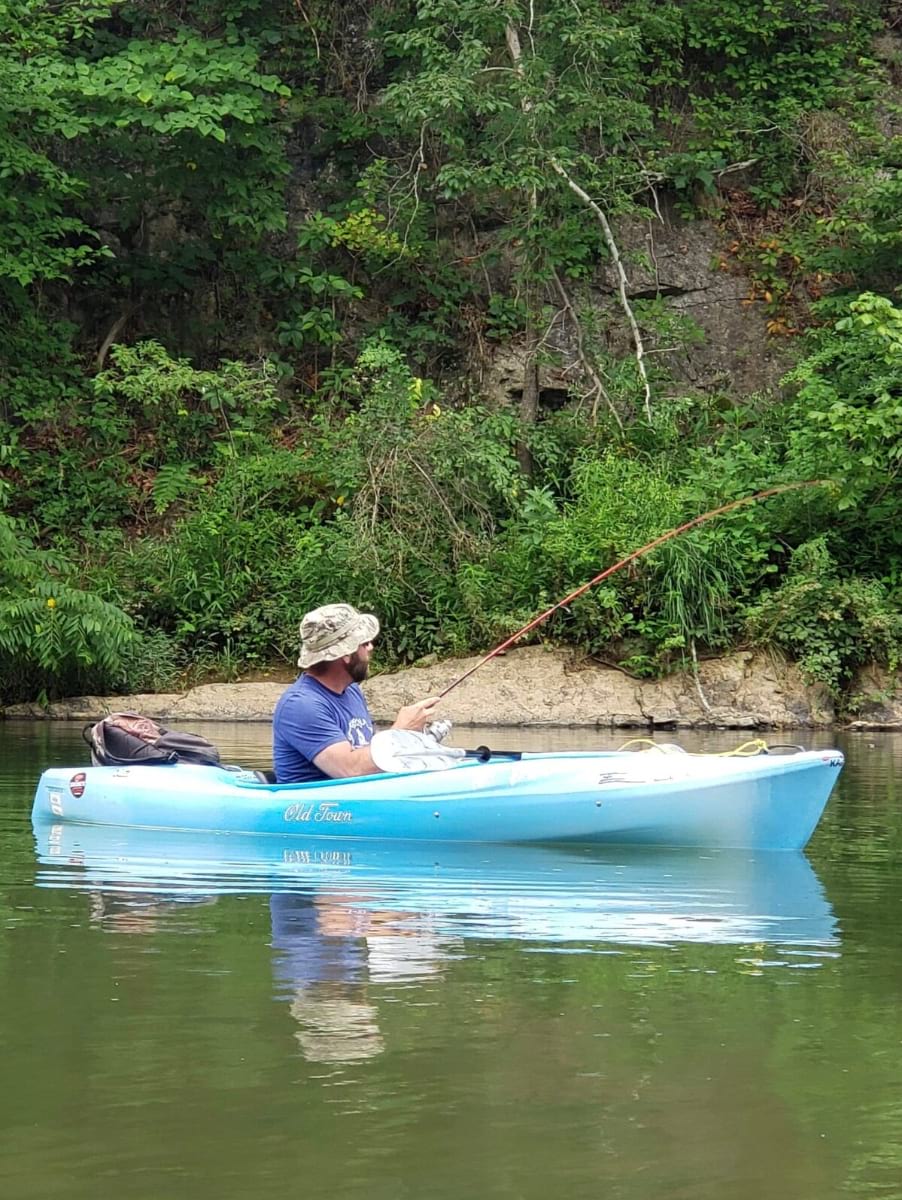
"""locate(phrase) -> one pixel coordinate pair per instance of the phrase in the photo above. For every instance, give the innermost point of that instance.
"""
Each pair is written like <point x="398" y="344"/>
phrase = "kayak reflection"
<point x="612" y="894"/>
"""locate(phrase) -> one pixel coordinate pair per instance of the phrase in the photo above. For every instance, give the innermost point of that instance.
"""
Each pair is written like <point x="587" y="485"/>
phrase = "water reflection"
<point x="347" y="920"/>
<point x="143" y="911"/>
<point x="328" y="950"/>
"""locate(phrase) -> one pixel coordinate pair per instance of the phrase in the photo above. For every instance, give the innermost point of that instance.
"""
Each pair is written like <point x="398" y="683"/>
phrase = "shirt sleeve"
<point x="309" y="726"/>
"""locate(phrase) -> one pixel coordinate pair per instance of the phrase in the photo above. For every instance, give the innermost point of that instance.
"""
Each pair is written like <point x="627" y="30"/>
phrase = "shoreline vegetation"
<point x="440" y="309"/>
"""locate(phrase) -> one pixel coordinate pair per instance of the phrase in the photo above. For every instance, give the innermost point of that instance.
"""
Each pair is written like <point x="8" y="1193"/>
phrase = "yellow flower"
<point x="51" y="603"/>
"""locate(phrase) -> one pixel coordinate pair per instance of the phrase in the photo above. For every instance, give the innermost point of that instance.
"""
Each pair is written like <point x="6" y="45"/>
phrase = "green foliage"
<point x="303" y="233"/>
<point x="229" y="573"/>
<point x="699" y="582"/>
<point x="88" y="116"/>
<point x="144" y="435"/>
<point x="687" y="591"/>
<point x="53" y="635"/>
<point x="381" y="505"/>
<point x="753" y="73"/>
<point x="157" y="662"/>
<point x="181" y="412"/>
<point x="41" y="237"/>
<point x="847" y="418"/>
<point x="619" y="504"/>
<point x="830" y="622"/>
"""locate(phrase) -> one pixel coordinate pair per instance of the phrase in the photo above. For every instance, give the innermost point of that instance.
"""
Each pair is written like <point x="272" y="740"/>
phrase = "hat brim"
<point x="364" y="629"/>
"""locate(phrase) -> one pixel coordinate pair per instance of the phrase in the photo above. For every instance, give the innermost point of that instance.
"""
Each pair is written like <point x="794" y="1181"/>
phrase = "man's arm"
<point x="341" y="760"/>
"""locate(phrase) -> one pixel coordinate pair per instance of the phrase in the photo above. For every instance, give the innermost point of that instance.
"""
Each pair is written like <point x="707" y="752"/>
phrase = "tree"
<point x="141" y="154"/>
<point x="515" y="110"/>
<point x="42" y="237"/>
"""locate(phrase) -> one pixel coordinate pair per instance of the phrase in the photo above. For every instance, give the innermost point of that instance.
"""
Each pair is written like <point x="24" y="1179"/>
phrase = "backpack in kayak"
<point x="128" y="739"/>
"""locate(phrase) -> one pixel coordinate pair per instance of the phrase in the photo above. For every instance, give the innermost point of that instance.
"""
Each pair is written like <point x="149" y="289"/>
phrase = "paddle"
<point x="483" y="753"/>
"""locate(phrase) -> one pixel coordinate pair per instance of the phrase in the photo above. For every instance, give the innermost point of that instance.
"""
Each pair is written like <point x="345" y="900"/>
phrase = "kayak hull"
<point x="765" y="802"/>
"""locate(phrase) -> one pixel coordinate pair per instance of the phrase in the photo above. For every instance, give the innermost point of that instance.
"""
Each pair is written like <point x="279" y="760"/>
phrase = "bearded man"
<point x="322" y="725"/>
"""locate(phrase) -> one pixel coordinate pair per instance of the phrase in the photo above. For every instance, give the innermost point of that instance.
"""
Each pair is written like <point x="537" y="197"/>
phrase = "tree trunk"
<point x="529" y="400"/>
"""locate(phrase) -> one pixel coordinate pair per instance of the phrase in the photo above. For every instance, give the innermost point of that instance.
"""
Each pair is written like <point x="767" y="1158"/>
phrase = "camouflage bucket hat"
<point x="332" y="631"/>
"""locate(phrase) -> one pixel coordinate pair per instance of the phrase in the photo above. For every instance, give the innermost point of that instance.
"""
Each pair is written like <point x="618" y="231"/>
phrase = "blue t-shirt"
<point x="308" y="718"/>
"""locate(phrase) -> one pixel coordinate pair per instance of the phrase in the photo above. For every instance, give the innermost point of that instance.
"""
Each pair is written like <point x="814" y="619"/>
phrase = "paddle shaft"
<point x="483" y="753"/>
<point x="618" y="566"/>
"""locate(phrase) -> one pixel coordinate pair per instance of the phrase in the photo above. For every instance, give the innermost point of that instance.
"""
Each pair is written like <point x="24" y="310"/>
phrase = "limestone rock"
<point x="879" y="699"/>
<point x="530" y="687"/>
<point x="227" y="702"/>
<point x="678" y="261"/>
<point x="534" y="686"/>
<point x="93" y="708"/>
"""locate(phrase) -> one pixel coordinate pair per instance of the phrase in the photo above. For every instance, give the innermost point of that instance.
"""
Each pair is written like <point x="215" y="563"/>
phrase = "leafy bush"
<point x="846" y="423"/>
<point x="229" y="573"/>
<point x="54" y="637"/>
<point x="136" y="439"/>
<point x="830" y="622"/>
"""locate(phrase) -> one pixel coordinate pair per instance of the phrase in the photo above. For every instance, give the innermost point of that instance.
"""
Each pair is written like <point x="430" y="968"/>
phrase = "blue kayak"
<point x="761" y="802"/>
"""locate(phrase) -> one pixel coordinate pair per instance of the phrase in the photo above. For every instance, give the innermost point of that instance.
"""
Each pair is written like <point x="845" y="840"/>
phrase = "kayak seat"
<point x="247" y="774"/>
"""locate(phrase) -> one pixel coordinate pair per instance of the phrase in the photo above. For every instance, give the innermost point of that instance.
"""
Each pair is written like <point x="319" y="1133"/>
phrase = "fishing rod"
<point x="618" y="566"/>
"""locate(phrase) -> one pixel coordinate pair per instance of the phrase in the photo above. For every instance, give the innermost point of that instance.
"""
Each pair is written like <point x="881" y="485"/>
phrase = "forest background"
<point x="255" y="259"/>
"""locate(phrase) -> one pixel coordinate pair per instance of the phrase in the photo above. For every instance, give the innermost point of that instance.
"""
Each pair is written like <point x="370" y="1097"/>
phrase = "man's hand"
<point x="416" y="716"/>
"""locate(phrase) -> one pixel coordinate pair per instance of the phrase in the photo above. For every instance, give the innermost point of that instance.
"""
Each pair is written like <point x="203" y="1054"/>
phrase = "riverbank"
<point x="535" y="686"/>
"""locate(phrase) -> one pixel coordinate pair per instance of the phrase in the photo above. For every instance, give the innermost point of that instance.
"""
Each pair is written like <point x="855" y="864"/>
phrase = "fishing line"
<point x="618" y="566"/>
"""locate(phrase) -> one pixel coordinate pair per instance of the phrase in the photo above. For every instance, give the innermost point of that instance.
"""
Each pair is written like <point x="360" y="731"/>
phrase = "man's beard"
<point x="358" y="667"/>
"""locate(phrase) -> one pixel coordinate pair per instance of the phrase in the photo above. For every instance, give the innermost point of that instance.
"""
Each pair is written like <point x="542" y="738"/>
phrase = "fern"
<point x="173" y="482"/>
<point x="50" y="628"/>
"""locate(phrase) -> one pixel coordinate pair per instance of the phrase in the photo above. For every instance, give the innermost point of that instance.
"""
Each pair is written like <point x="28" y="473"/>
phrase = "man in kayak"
<point x="321" y="725"/>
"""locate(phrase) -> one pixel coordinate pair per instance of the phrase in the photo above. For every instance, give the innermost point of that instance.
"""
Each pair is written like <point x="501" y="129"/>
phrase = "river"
<point x="499" y="1023"/>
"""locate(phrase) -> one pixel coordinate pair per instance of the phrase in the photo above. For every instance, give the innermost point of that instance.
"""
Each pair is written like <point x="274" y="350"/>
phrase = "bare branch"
<point x="621" y="277"/>
<point x="433" y="486"/>
<point x="310" y="26"/>
<point x="114" y="331"/>
<point x="598" y="387"/>
<point x="698" y="683"/>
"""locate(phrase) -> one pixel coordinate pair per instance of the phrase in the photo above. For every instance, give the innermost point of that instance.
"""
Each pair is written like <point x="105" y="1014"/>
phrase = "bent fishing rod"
<point x="618" y="566"/>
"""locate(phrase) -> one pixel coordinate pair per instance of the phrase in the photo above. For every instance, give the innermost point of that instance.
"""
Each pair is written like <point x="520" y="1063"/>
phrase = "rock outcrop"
<point x="686" y="266"/>
<point x="532" y="686"/>
<point x="877" y="696"/>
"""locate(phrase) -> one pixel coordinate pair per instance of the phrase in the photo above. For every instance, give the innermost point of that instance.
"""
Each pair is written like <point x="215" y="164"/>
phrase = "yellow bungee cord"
<point x="746" y="750"/>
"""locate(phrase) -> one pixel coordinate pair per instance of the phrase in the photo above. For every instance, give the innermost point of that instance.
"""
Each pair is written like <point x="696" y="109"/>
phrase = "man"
<point x="321" y="725"/>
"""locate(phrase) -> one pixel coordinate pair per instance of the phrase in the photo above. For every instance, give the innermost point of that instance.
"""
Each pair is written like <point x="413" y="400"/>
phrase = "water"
<point x="181" y="1018"/>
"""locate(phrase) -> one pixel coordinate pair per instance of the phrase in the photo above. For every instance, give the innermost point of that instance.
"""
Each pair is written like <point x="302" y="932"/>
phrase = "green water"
<point x="604" y="1025"/>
